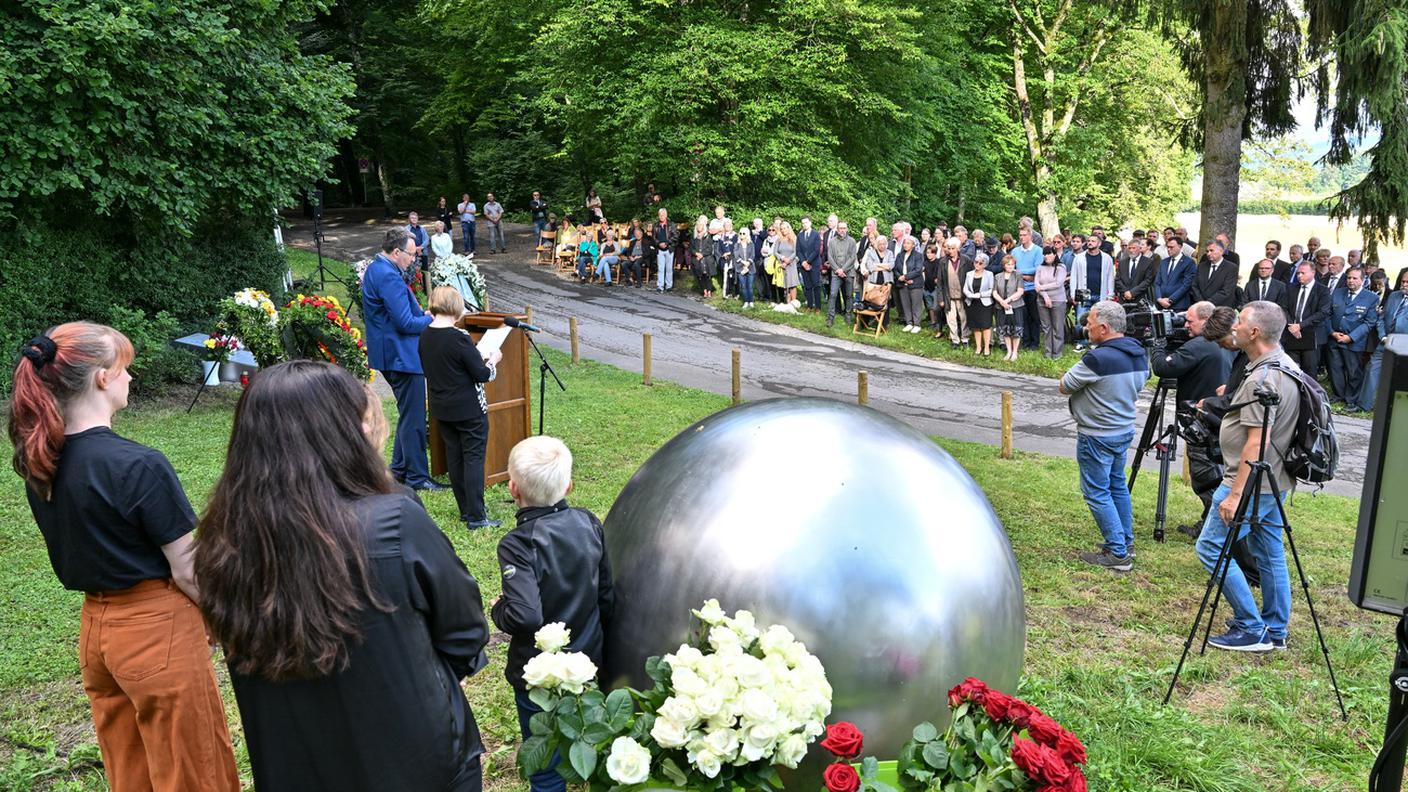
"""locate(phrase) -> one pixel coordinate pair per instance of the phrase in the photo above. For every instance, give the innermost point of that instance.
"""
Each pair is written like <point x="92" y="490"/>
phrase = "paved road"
<point x="692" y="342"/>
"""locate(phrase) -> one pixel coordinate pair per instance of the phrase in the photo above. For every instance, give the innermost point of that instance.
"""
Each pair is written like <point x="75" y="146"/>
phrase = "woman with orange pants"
<point x="118" y="527"/>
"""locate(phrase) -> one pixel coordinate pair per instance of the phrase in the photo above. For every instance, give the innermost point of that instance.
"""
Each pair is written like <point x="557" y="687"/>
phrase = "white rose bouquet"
<point x="461" y="272"/>
<point x="724" y="711"/>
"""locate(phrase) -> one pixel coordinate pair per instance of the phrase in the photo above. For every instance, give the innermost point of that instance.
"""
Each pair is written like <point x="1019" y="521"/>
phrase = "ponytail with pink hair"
<point x="54" y="369"/>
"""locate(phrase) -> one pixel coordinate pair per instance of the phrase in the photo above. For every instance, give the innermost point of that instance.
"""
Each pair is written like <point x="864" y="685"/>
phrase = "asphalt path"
<point x="692" y="343"/>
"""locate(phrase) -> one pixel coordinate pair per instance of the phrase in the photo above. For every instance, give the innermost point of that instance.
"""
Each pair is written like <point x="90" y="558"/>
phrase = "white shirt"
<point x="442" y="244"/>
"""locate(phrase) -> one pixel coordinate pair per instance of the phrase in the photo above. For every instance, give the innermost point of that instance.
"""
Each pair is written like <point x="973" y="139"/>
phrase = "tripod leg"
<point x="1218" y="573"/>
<point x="199" y="391"/>
<point x="1153" y="425"/>
<point x="1161" y="502"/>
<point x="542" y="393"/>
<point x="1310" y="605"/>
<point x="1240" y="518"/>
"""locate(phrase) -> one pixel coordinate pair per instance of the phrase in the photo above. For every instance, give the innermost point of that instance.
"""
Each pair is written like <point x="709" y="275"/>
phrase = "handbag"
<point x="770" y="264"/>
<point x="877" y="294"/>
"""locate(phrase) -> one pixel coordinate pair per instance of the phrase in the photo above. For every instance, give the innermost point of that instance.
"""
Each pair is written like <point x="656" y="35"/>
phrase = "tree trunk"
<point x="1225" y="110"/>
<point x="1046" y="213"/>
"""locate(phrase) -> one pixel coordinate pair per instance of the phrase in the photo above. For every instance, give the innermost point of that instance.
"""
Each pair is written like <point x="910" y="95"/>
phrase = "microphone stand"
<point x="544" y="369"/>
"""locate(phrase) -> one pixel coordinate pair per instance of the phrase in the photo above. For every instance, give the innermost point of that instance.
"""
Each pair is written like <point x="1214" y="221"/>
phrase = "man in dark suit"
<point x="1265" y="286"/>
<point x="1307" y="319"/>
<point x="1353" y="312"/>
<point x="1134" y="277"/>
<point x="1334" y="278"/>
<point x="1281" y="270"/>
<point x="1216" y="280"/>
<point x="1173" y="283"/>
<point x="394" y="323"/>
<point x="809" y="262"/>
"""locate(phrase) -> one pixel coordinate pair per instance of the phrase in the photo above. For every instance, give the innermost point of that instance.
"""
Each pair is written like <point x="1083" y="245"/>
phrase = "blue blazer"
<point x="1176" y="286"/>
<point x="809" y="247"/>
<point x="1355" y="317"/>
<point x="393" y="317"/>
<point x="1393" y="320"/>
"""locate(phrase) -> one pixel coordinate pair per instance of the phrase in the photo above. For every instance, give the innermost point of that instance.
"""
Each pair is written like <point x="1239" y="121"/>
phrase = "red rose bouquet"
<point x="315" y="326"/>
<point x="995" y="741"/>
<point x="845" y="742"/>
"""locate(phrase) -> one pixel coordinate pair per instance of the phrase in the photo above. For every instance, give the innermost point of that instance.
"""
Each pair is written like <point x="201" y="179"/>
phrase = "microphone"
<point x="512" y="321"/>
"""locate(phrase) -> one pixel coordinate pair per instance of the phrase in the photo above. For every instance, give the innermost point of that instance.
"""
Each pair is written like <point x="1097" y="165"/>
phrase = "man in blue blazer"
<point x="1393" y="321"/>
<point x="809" y="259"/>
<point x="1174" y="280"/>
<point x="394" y="323"/>
<point x="1353" y="313"/>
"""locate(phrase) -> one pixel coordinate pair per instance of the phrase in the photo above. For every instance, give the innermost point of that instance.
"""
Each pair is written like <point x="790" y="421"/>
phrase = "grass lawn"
<point x="304" y="264"/>
<point x="1101" y="647"/>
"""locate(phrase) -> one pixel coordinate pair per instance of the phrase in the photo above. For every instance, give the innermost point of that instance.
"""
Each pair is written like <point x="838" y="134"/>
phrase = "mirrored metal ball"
<point x="854" y="530"/>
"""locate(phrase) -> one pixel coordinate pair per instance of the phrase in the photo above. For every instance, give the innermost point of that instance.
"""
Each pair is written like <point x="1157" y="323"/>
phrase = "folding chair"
<point x="867" y="319"/>
<point x="547" y="242"/>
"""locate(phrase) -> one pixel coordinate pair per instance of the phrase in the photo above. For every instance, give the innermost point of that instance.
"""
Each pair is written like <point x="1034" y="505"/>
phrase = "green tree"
<point x="163" y="116"/>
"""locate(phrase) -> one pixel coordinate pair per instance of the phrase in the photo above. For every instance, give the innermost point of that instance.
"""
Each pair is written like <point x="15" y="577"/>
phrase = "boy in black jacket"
<point x="554" y="569"/>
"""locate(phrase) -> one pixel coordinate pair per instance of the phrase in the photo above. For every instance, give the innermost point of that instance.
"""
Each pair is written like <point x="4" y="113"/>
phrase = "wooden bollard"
<point x="1006" y="424"/>
<point x="576" y="350"/>
<point x="645" y="358"/>
<point x="1187" y="475"/>
<point x="862" y="388"/>
<point x="528" y="312"/>
<point x="737" y="376"/>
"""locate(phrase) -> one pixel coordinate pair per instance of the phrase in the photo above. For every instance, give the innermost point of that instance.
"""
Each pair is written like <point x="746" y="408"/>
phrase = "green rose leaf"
<point x="673" y="772"/>
<point x="596" y="733"/>
<point x="936" y="755"/>
<point x="542" y="697"/>
<point x="925" y="732"/>
<point x="540" y="723"/>
<point x="640" y="732"/>
<point x="583" y="758"/>
<point x="570" y="725"/>
<point x="534" y="754"/>
<point x="618" y="707"/>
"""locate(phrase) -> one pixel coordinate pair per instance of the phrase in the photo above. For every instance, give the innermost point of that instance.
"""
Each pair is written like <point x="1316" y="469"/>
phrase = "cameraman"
<point x="1258" y="334"/>
<point x="1200" y="366"/>
<point x="1103" y="388"/>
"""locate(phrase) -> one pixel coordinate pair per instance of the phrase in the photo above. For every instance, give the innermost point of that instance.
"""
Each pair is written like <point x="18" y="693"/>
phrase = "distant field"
<point x="1254" y="230"/>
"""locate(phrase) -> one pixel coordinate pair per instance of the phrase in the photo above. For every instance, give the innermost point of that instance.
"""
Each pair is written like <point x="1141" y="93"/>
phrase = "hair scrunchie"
<point x="40" y="350"/>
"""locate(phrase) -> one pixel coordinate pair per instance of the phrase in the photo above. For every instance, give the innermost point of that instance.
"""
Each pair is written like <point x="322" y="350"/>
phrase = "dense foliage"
<point x="859" y="106"/>
<point x="146" y="146"/>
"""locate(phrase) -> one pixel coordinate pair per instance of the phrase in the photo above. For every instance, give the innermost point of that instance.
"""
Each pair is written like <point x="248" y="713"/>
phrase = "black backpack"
<point x="1314" y="453"/>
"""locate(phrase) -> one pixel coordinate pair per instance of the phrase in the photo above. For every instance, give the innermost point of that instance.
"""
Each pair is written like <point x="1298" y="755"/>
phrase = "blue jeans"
<point x="1102" y="482"/>
<point x="538" y="226"/>
<point x="408" y="451"/>
<point x="585" y="265"/>
<point x="467" y="227"/>
<point x="1082" y="308"/>
<point x="1270" y="557"/>
<point x="546" y="780"/>
<point x="745" y="286"/>
<point x="604" y="265"/>
<point x="665" y="269"/>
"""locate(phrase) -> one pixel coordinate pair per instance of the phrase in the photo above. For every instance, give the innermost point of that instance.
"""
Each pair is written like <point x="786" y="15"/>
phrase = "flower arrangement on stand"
<point x="359" y="271"/>
<point x="461" y="272"/>
<point x="219" y="346"/>
<point x="250" y="316"/>
<point x="984" y="748"/>
<point x="315" y="326"/>
<point x="726" y="709"/>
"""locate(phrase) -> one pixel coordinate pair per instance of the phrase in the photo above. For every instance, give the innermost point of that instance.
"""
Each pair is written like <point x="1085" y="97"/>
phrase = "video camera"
<point x="1153" y="326"/>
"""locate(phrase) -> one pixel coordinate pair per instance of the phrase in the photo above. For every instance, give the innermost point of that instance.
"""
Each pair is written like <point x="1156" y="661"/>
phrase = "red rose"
<point x="844" y="740"/>
<point x="1027" y="756"/>
<point x="970" y="689"/>
<point x="1044" y="730"/>
<point x="1070" y="748"/>
<point x="996" y="704"/>
<point x="332" y="315"/>
<point x="1076" y="783"/>
<point x="1053" y="768"/>
<point x="1019" y="713"/>
<point x="841" y="777"/>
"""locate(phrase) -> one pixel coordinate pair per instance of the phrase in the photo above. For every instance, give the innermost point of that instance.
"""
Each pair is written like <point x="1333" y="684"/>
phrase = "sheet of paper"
<point x="492" y="340"/>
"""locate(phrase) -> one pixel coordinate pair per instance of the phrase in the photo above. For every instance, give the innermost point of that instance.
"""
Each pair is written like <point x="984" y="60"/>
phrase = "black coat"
<point x="1315" y="320"/>
<point x="1275" y="292"/>
<point x="1199" y="365"/>
<point x="396" y="717"/>
<point x="1139" y="282"/>
<point x="1221" y="289"/>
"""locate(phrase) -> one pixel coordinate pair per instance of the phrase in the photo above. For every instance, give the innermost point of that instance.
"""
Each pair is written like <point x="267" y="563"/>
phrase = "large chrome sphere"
<point x="851" y="528"/>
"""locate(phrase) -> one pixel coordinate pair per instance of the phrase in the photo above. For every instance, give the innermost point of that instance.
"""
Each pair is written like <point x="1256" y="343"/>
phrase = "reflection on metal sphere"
<point x="853" y="529"/>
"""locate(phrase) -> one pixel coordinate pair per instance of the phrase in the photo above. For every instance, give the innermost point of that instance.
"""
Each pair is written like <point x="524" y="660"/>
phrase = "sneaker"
<point x="915" y="330"/>
<point x="1191" y="530"/>
<point x="1128" y="550"/>
<point x="1108" y="560"/>
<point x="1278" y="644"/>
<point x="477" y="524"/>
<point x="1237" y="640"/>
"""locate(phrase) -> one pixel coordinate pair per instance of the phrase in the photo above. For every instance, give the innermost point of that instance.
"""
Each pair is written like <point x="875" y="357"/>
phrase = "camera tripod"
<point x="1162" y="437"/>
<point x="1261" y="482"/>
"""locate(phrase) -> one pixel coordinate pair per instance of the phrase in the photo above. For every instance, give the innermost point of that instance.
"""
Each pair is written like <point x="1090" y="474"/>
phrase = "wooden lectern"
<point x="509" y="396"/>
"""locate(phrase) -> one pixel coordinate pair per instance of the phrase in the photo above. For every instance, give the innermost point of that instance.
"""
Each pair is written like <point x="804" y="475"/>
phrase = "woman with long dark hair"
<point x="347" y="619"/>
<point x="118" y="526"/>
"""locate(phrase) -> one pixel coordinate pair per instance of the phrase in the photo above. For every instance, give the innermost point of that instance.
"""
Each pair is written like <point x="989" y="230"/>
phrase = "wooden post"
<point x="528" y="312"/>
<point x="862" y="388"/>
<point x="576" y="351"/>
<point x="645" y="358"/>
<point x="1187" y="476"/>
<point x="1007" y="424"/>
<point x="737" y="376"/>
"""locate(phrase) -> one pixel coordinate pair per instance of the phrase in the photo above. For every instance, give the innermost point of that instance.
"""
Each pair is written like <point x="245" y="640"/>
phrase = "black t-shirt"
<point x="114" y="504"/>
<point x="453" y="367"/>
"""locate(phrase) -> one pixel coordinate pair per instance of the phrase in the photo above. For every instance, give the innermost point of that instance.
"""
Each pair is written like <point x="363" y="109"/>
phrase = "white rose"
<point x="552" y="637"/>
<point x="757" y="706"/>
<point x="679" y="709"/>
<point x="709" y="703"/>
<point x="725" y="640"/>
<point x="744" y="624"/>
<point x="751" y="672"/>
<point x="776" y="639"/>
<point x="684" y="657"/>
<point x="543" y="671"/>
<point x="724" y="720"/>
<point x="688" y="683"/>
<point x="727" y="687"/>
<point x="668" y="734"/>
<point x="711" y="613"/>
<point x="710" y="668"/>
<point x="722" y="743"/>
<point x="629" y="762"/>
<point x="577" y="670"/>
<point x="790" y="751"/>
<point x="813" y="730"/>
<point x="708" y="763"/>
<point x="758" y="741"/>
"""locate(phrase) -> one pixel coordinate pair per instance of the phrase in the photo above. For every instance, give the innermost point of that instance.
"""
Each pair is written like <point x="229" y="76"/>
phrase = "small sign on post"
<point x="364" y="165"/>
